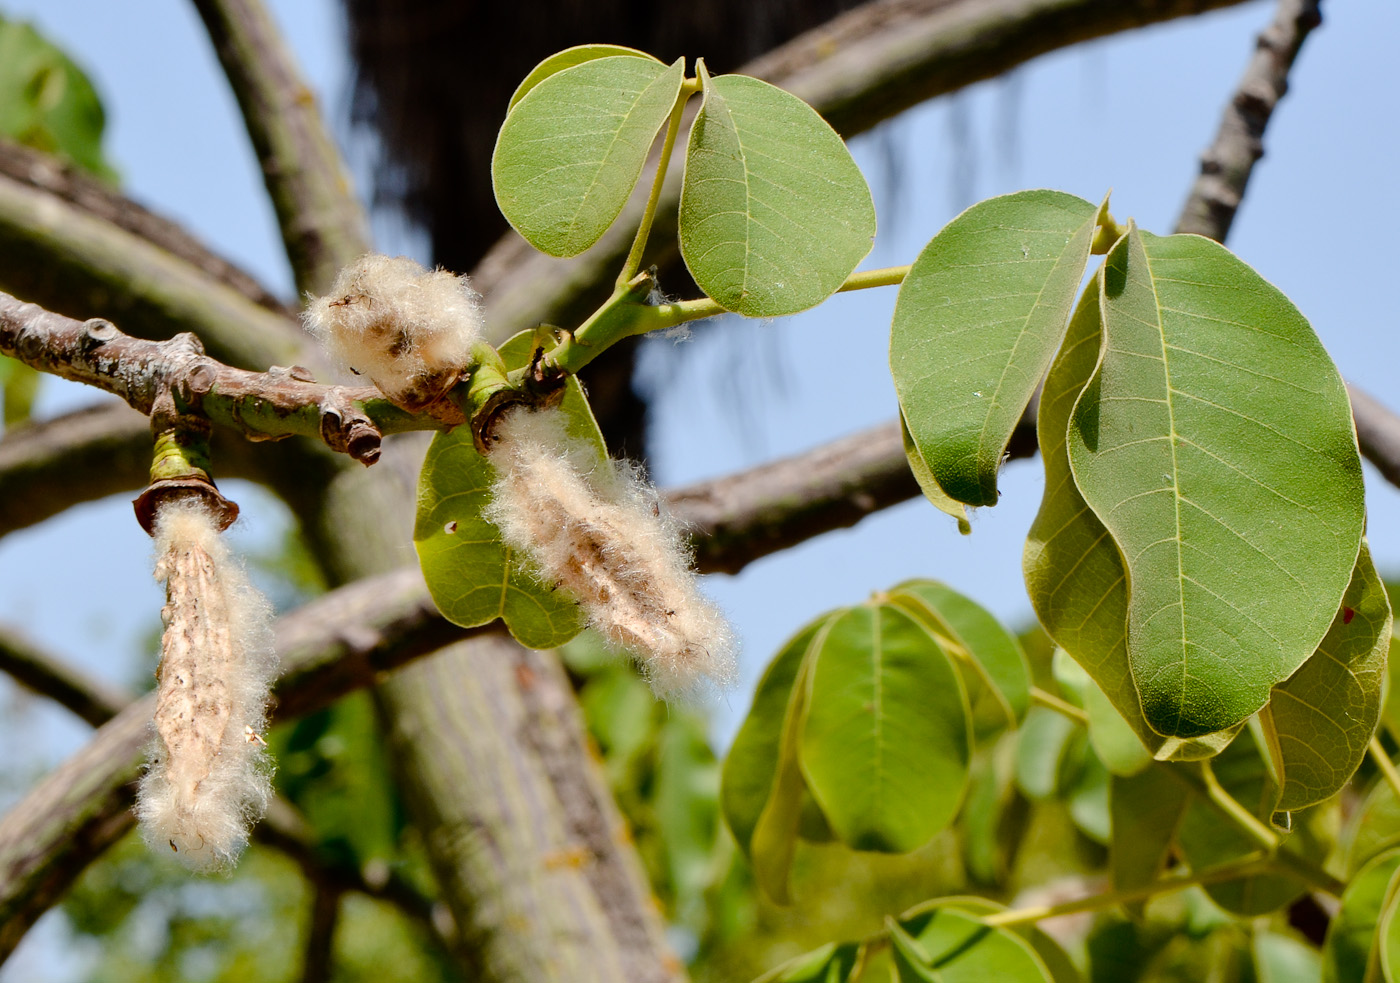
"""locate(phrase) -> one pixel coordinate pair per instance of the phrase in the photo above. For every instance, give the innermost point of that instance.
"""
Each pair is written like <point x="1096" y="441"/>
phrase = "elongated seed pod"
<point x="598" y="530"/>
<point x="208" y="779"/>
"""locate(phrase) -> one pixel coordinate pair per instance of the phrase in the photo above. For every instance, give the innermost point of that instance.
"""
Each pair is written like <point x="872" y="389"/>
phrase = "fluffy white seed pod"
<point x="599" y="531"/>
<point x="408" y="330"/>
<point x="208" y="779"/>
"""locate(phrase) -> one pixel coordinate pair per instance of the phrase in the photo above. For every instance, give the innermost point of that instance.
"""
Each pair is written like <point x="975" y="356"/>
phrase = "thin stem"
<point x="639" y="244"/>
<point x="1387" y="767"/>
<point x="890" y="276"/>
<point x="1250" y="866"/>
<point x="1215" y="793"/>
<point x="1053" y="702"/>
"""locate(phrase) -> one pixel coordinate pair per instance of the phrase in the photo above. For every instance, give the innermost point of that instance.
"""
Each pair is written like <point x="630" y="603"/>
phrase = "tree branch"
<point x="323" y="225"/>
<point x="68" y="184"/>
<point x="46" y="674"/>
<point x="59" y="254"/>
<point x="863" y="67"/>
<point x="1239" y="143"/>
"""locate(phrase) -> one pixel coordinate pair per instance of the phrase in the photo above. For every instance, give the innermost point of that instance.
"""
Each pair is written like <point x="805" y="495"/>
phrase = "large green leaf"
<point x="1214" y="441"/>
<point x="993" y="653"/>
<point x="886" y="743"/>
<point x="568" y="58"/>
<point x="1047" y="950"/>
<point x="46" y="102"/>
<point x="1352" y="932"/>
<point x="831" y="963"/>
<point x="774" y="213"/>
<point x="1146" y="810"/>
<point x="978" y="320"/>
<point x="746" y="783"/>
<point x="570" y="152"/>
<point x="1321" y="718"/>
<point x="1074" y="572"/>
<point x="473" y="577"/>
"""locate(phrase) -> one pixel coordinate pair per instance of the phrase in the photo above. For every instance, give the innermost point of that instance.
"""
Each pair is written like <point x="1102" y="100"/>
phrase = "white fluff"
<point x="208" y="779"/>
<point x="598" y="530"/>
<point x="409" y="330"/>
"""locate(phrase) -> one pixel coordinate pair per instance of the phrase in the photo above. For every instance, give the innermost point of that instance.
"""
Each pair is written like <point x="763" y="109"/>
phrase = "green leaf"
<point x="954" y="946"/>
<point x="979" y="317"/>
<point x="1111" y="736"/>
<point x="19" y="385"/>
<point x="1056" y="961"/>
<point x="571" y="151"/>
<point x="993" y="819"/>
<point x="1281" y="958"/>
<point x="830" y="963"/>
<point x="1207" y="840"/>
<point x="1322" y="717"/>
<point x="1088" y="799"/>
<point x="929" y="485"/>
<point x="994" y="654"/>
<point x="1214" y="441"/>
<point x="1042" y="752"/>
<point x="1146" y="809"/>
<point x="568" y="58"/>
<point x="1346" y="950"/>
<point x="774" y="213"/>
<point x="746" y="783"/>
<point x="1387" y="944"/>
<point x="773" y="842"/>
<point x="472" y="576"/>
<point x="886" y="743"/>
<point x="1374" y="828"/>
<point x="46" y="102"/>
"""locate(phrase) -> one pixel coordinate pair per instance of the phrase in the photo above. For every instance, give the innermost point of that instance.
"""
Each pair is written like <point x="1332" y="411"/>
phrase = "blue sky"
<point x="1129" y="113"/>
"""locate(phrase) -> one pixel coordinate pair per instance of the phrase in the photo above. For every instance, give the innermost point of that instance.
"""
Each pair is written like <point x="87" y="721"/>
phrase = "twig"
<point x="323" y="225"/>
<point x="46" y="674"/>
<point x="1386" y="766"/>
<point x="318" y="956"/>
<point x="262" y="405"/>
<point x="1239" y="143"/>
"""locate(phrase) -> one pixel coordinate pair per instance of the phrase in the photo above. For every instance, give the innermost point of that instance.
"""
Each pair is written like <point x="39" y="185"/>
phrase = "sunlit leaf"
<point x="1074" y="573"/>
<point x="886" y="743"/>
<point x="1054" y="958"/>
<point x="978" y="320"/>
<point x="1352" y="931"/>
<point x="1214" y="441"/>
<point x="571" y="151"/>
<point x="774" y="213"/>
<point x="1322" y="717"/>
<point x="829" y="964"/>
<point x="568" y="58"/>
<point x="995" y="657"/>
<point x="472" y="576"/>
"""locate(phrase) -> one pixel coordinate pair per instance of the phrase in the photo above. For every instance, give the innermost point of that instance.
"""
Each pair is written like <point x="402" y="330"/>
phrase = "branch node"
<point x="100" y="330"/>
<point x="347" y="429"/>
